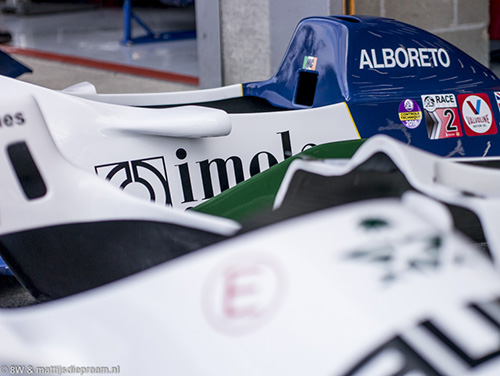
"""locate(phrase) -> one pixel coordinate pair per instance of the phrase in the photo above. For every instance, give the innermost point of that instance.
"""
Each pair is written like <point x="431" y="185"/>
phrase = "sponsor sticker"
<point x="441" y="115"/>
<point x="8" y="120"/>
<point x="402" y="354"/>
<point x="145" y="178"/>
<point x="310" y="62"/>
<point x="243" y="293"/>
<point x="410" y="113"/>
<point x="402" y="256"/>
<point x="497" y="97"/>
<point x="477" y="114"/>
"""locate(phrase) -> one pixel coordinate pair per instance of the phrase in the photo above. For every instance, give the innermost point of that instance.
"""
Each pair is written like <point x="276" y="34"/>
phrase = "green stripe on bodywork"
<point x="258" y="193"/>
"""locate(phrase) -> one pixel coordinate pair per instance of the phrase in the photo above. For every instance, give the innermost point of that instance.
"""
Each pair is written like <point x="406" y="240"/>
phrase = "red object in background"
<point x="494" y="28"/>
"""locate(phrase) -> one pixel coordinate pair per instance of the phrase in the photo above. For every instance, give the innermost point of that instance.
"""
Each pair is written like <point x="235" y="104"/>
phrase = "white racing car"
<point x="383" y="286"/>
<point x="342" y="78"/>
<point x="375" y="287"/>
<point x="64" y="230"/>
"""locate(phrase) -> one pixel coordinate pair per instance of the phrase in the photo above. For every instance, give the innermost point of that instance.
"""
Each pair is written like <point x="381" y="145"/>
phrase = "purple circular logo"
<point x="410" y="113"/>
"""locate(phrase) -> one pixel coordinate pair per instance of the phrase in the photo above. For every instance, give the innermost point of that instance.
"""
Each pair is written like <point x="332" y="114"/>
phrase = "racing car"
<point x="370" y="288"/>
<point x="342" y="78"/>
<point x="132" y="284"/>
<point x="385" y="282"/>
<point x="394" y="78"/>
<point x="341" y="172"/>
<point x="64" y="230"/>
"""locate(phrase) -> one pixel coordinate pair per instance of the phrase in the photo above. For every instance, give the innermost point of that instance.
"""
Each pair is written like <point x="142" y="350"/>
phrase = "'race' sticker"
<point x="441" y="115"/>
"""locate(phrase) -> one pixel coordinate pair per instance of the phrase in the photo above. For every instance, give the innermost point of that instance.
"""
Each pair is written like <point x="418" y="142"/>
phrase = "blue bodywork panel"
<point x="385" y="70"/>
<point x="4" y="269"/>
<point x="10" y="67"/>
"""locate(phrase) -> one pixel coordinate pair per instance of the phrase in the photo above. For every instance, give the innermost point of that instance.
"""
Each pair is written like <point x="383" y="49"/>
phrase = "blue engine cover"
<point x="395" y="78"/>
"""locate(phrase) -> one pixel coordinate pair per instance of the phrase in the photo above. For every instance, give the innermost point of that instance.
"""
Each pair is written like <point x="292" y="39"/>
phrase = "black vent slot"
<point x="348" y="19"/>
<point x="26" y="170"/>
<point x="306" y="88"/>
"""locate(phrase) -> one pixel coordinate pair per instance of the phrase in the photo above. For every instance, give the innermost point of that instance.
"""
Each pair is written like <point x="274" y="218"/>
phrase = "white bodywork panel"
<point x="72" y="194"/>
<point x="88" y="91"/>
<point x="446" y="180"/>
<point x="181" y="154"/>
<point x="303" y="297"/>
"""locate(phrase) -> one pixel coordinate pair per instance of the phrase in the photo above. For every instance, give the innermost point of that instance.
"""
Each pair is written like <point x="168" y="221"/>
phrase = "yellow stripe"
<point x="353" y="123"/>
<point x="241" y="90"/>
<point x="415" y="115"/>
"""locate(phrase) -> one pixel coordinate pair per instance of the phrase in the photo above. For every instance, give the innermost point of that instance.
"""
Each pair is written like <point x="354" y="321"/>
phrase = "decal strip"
<point x="353" y="123"/>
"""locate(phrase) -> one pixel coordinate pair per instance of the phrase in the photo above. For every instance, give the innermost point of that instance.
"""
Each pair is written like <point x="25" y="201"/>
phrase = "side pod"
<point x="64" y="230"/>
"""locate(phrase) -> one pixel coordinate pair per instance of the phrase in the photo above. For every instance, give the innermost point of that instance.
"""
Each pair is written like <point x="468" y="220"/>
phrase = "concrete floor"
<point x="94" y="36"/>
<point x="97" y="34"/>
<point x="56" y="75"/>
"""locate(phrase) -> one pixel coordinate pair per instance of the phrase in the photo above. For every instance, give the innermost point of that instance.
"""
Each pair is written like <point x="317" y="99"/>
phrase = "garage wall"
<point x="463" y="23"/>
<point x="245" y="35"/>
<point x="255" y="33"/>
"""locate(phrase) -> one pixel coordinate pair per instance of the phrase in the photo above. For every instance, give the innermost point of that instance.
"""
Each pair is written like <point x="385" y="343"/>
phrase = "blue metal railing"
<point x="151" y="36"/>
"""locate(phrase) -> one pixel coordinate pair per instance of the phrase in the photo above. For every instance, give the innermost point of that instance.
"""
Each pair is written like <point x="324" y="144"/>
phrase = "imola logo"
<point x="150" y="174"/>
<point x="189" y="175"/>
<point x="404" y="58"/>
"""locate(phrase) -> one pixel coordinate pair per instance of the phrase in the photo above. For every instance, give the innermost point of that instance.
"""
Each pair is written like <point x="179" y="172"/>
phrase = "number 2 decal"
<point x="450" y="127"/>
<point x="442" y="117"/>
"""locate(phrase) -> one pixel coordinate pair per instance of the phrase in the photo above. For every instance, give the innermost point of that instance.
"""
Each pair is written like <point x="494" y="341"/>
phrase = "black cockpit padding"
<point x="57" y="261"/>
<point x="377" y="177"/>
<point x="239" y="105"/>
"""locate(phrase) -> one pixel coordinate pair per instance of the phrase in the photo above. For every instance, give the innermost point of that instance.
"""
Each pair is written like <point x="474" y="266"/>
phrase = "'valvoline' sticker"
<point x="477" y="114"/>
